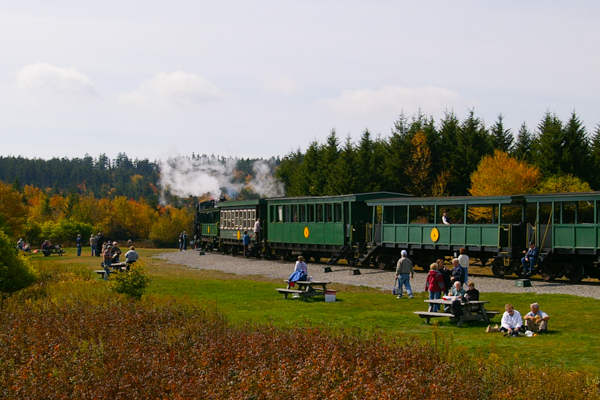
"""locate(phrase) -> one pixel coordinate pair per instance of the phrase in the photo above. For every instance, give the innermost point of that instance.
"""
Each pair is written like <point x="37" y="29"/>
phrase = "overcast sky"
<point x="261" y="78"/>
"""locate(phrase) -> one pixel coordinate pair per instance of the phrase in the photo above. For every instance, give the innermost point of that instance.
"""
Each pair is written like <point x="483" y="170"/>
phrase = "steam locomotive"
<point x="370" y="229"/>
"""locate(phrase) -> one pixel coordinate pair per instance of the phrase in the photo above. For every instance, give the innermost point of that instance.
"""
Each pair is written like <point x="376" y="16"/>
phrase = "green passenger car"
<point x="487" y="227"/>
<point x="333" y="227"/>
<point x="236" y="217"/>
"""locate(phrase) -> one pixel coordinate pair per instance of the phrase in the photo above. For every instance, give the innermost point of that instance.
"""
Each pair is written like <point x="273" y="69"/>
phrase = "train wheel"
<point x="575" y="273"/>
<point x="547" y="274"/>
<point x="498" y="268"/>
<point x="234" y="251"/>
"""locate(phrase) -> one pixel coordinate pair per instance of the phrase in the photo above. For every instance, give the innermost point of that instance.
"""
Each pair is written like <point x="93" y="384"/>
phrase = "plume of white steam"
<point x="185" y="177"/>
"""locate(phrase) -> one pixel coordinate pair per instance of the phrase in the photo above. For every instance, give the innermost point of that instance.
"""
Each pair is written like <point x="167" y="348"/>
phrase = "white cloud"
<point x="282" y="85"/>
<point x="48" y="77"/>
<point x="177" y="88"/>
<point x="393" y="99"/>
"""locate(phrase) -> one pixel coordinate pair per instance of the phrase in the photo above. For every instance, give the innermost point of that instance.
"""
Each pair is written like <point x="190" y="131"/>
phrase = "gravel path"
<point x="383" y="280"/>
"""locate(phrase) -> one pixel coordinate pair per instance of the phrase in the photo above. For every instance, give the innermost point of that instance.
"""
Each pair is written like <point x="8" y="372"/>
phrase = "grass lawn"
<point x="572" y="342"/>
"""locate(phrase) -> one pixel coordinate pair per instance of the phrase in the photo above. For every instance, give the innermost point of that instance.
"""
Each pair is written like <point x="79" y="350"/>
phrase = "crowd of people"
<point x="442" y="280"/>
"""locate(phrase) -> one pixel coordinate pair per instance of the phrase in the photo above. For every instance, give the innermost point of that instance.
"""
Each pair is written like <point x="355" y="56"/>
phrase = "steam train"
<point x="370" y="229"/>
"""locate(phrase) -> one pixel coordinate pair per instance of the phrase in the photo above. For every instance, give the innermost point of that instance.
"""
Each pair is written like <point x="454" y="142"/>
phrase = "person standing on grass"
<point x="463" y="260"/>
<point x="404" y="271"/>
<point x="537" y="320"/>
<point x="93" y="243"/>
<point x="116" y="252"/>
<point x="108" y="257"/>
<point x="99" y="244"/>
<point x="181" y="241"/>
<point x="457" y="272"/>
<point x="446" y="274"/>
<point x="184" y="240"/>
<point x="434" y="285"/>
<point x="78" y="244"/>
<point x="511" y="321"/>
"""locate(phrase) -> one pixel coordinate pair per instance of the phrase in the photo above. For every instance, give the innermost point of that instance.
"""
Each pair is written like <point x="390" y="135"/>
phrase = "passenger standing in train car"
<point x="404" y="271"/>
<point x="257" y="231"/>
<point x="445" y="218"/>
<point x="463" y="260"/>
<point x="446" y="274"/>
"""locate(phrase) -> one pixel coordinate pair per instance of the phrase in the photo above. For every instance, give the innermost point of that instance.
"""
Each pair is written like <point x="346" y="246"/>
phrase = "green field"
<point x="572" y="341"/>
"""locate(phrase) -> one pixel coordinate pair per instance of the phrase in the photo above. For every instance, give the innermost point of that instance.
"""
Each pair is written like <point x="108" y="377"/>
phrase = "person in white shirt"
<point x="131" y="256"/>
<point x="463" y="260"/>
<point x="537" y="320"/>
<point x="445" y="218"/>
<point x="511" y="321"/>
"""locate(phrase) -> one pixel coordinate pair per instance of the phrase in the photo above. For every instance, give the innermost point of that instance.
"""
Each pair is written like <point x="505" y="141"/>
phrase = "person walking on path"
<point x="78" y="243"/>
<point x="463" y="260"/>
<point x="434" y="285"/>
<point x="404" y="271"/>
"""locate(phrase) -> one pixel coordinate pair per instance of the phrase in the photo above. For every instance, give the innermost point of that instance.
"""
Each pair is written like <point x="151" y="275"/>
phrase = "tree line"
<point x="428" y="158"/>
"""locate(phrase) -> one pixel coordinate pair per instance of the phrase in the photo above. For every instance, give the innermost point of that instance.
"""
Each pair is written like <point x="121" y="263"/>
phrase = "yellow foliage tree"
<point x="563" y="184"/>
<point x="419" y="168"/>
<point x="13" y="212"/>
<point x="500" y="174"/>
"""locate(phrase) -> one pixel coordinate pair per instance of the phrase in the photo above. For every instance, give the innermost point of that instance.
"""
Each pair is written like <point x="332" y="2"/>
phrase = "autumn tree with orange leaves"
<point x="499" y="174"/>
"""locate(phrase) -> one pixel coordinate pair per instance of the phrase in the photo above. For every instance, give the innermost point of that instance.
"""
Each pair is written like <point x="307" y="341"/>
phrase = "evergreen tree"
<point x="595" y="154"/>
<point x="328" y="162"/>
<point x="472" y="143"/>
<point x="522" y="148"/>
<point x="367" y="178"/>
<point x="548" y="145"/>
<point x="576" y="158"/>
<point x="502" y="139"/>
<point x="344" y="177"/>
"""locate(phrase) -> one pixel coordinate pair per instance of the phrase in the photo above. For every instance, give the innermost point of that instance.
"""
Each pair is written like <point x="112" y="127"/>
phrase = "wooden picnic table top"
<point x="449" y="301"/>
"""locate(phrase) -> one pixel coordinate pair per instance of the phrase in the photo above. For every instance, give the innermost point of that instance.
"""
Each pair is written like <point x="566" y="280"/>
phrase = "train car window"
<point x="388" y="214"/>
<point x="557" y="213"/>
<point x="421" y="214"/>
<point x="531" y="213"/>
<point x="480" y="215"/>
<point x="311" y="213"/>
<point x="294" y="213"/>
<point x="319" y="212"/>
<point x="511" y="214"/>
<point x="400" y="214"/>
<point x="286" y="213"/>
<point x="302" y="212"/>
<point x="279" y="213"/>
<point x="568" y="213"/>
<point x="545" y="211"/>
<point x="328" y="216"/>
<point x="454" y="213"/>
<point x="585" y="212"/>
<point x="337" y="212"/>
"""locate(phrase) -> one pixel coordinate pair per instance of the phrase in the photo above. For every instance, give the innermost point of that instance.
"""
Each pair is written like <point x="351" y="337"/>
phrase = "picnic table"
<point x="306" y="289"/>
<point x="471" y="311"/>
<point x="53" y="250"/>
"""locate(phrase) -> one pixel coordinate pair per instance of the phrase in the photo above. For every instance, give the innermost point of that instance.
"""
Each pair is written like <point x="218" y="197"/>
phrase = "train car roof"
<point x="574" y="196"/>
<point x="240" y="203"/>
<point x="451" y="200"/>
<point x="343" y="197"/>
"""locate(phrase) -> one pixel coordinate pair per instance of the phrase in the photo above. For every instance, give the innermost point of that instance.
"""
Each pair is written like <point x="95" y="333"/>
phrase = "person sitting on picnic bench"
<point x="116" y="252"/>
<point x="537" y="320"/>
<point x="131" y="257"/>
<point x="457" y="290"/>
<point x="512" y="323"/>
<point x="472" y="294"/>
<point x="300" y="272"/>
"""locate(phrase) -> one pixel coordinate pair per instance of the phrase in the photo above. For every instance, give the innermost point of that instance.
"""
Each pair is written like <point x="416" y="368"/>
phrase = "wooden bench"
<point x="430" y="314"/>
<point x="491" y="314"/>
<point x="54" y="250"/>
<point x="291" y="291"/>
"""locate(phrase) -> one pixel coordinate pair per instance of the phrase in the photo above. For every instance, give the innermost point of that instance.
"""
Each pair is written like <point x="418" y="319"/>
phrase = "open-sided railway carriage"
<point x="495" y="230"/>
<point x="372" y="228"/>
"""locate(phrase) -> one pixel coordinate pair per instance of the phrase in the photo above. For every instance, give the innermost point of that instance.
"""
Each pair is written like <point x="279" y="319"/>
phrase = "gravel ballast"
<point x="369" y="277"/>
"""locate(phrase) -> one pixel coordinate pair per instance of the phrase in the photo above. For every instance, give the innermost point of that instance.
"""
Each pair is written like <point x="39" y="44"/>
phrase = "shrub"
<point x="15" y="271"/>
<point x="132" y="283"/>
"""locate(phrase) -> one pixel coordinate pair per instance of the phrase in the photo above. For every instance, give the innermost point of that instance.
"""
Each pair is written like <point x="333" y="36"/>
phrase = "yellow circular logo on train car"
<point x="306" y="232"/>
<point x="435" y="234"/>
<point x="239" y="235"/>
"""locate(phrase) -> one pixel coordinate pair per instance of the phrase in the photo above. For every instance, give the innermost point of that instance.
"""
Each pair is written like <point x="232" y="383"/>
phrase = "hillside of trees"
<point x="428" y="158"/>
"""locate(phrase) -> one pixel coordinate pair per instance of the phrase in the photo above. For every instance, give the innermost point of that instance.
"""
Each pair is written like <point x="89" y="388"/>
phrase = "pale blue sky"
<point x="258" y="79"/>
